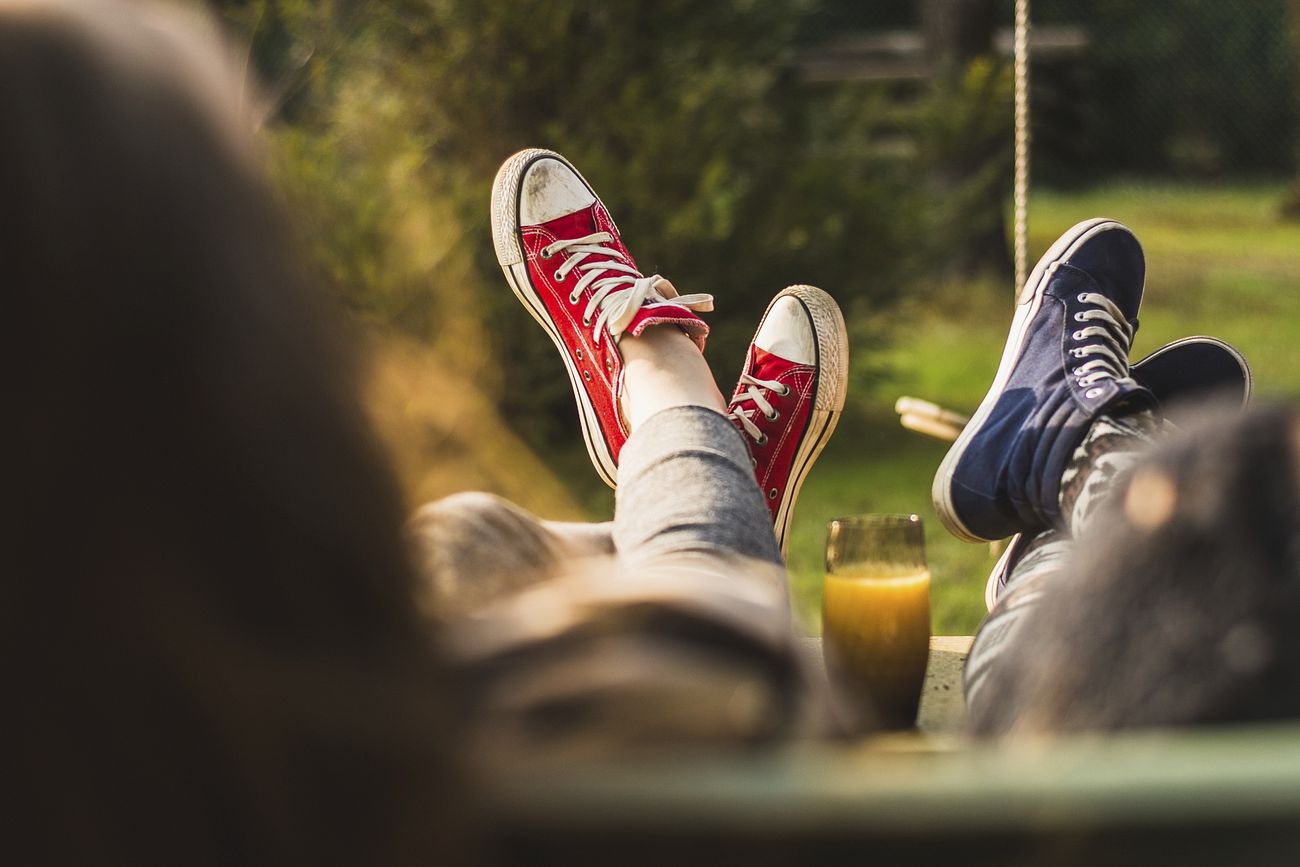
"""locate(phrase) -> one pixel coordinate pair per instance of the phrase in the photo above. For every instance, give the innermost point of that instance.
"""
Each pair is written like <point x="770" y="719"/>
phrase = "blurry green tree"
<point x="725" y="173"/>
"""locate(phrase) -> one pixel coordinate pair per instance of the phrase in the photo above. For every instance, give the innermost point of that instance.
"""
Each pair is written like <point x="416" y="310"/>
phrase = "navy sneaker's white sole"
<point x="1028" y="304"/>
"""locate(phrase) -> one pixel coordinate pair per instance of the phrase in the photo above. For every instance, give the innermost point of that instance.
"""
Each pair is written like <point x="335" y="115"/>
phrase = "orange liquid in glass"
<point x="876" y="641"/>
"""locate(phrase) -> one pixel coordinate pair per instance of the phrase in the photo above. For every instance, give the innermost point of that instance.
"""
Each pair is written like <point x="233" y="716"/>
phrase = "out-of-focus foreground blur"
<point x="744" y="145"/>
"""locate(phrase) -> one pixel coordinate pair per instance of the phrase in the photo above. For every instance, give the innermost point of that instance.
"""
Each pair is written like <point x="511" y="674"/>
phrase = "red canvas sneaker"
<point x="564" y="259"/>
<point x="791" y="393"/>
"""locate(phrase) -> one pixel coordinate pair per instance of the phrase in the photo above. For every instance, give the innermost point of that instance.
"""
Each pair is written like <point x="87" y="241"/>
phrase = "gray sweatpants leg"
<point x="669" y="626"/>
<point x="1098" y="467"/>
<point x="686" y="486"/>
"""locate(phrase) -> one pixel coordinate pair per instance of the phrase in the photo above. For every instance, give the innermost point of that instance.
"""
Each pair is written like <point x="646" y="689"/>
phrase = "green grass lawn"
<point x="1219" y="262"/>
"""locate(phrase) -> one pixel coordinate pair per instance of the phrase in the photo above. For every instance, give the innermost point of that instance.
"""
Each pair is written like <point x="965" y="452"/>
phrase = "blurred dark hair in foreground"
<point x="211" y="652"/>
<point x="1182" y="603"/>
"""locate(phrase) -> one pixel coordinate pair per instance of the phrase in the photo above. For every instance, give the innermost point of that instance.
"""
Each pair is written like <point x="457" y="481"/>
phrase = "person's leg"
<point x="1098" y="467"/>
<point x="1062" y="419"/>
<point x="1110" y="449"/>
<point x="1064" y="366"/>
<point x="1101" y="463"/>
<point x="687" y="487"/>
<point x="476" y="548"/>
<point x="1040" y="562"/>
<point x="1182" y="375"/>
<point x="566" y="262"/>
<point x="663" y="369"/>
<point x="685" y="633"/>
<point x="687" y="481"/>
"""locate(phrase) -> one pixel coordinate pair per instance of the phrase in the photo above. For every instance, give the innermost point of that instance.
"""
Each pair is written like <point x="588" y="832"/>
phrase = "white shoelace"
<point x="1115" y="334"/>
<point x="619" y="296"/>
<point x="754" y="392"/>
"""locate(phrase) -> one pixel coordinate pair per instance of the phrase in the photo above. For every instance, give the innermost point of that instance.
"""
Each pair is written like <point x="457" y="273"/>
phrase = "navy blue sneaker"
<point x="1181" y="375"/>
<point x="1065" y="363"/>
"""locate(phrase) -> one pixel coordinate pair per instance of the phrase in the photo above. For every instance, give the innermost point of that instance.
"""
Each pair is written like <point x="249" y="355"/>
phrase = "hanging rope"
<point x="1020" y="194"/>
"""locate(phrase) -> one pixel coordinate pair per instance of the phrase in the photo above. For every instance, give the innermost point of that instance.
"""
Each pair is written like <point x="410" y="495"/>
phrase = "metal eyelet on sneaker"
<point x="546" y="252"/>
<point x="586" y="321"/>
<point x="1078" y="317"/>
<point x="1092" y="392"/>
<point x="578" y="352"/>
<point x="586" y="374"/>
<point x="609" y="365"/>
<point x="1083" y="298"/>
<point x="771" y="495"/>
<point x="573" y="299"/>
<point x="762" y="441"/>
<point x="774" y="416"/>
<point x="558" y="277"/>
<point x="785" y="390"/>
<point x="1078" y="335"/>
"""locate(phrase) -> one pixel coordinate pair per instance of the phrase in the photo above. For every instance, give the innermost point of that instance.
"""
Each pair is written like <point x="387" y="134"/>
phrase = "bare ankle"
<point x="663" y="369"/>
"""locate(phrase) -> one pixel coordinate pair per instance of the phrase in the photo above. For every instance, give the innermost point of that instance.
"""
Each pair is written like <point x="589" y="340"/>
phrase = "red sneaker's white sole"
<point x="510" y="255"/>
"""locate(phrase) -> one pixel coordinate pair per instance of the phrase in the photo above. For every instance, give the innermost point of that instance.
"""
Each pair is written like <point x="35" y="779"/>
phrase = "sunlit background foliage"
<point x="733" y="170"/>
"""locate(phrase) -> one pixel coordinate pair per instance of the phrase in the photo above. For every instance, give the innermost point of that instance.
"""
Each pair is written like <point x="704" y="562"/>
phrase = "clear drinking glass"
<point x="876" y="618"/>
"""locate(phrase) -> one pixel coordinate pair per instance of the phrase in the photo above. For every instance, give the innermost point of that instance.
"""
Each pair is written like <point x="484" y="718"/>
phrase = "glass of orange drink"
<point x="876" y="619"/>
